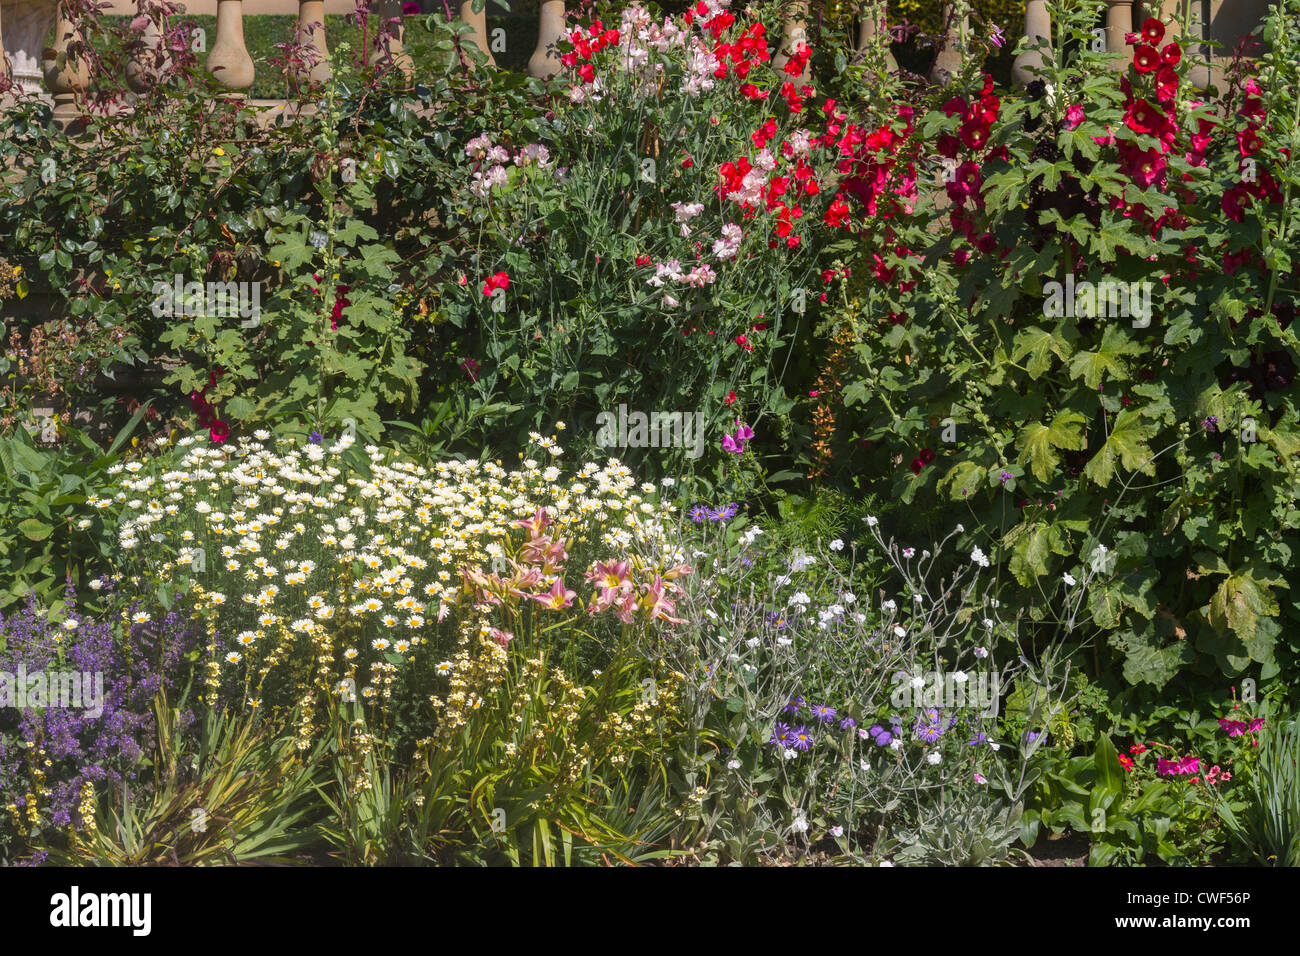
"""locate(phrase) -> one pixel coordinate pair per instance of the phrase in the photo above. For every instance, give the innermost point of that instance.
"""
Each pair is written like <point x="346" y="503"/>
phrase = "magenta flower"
<point x="1074" y="116"/>
<point x="410" y="9"/>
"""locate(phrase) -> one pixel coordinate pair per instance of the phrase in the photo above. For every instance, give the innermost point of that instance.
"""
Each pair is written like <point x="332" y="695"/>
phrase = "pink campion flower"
<point x="1074" y="116"/>
<point x="557" y="598"/>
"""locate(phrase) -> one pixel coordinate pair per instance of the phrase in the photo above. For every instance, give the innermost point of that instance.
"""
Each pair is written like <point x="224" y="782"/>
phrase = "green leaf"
<point x="35" y="530"/>
<point x="1108" y="359"/>
<point x="1038" y="442"/>
<point x="1125" y="445"/>
<point x="1039" y="345"/>
<point x="1110" y="775"/>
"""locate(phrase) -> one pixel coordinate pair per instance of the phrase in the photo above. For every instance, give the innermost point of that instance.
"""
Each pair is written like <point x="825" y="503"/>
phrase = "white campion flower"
<point x="871" y="521"/>
<point x="1069" y="580"/>
<point x="981" y="652"/>
<point x="933" y="758"/>
<point x="836" y="545"/>
<point x="899" y="632"/>
<point x="978" y="557"/>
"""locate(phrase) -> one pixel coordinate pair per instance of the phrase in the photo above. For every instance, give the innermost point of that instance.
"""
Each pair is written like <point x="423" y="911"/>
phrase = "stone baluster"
<point x="144" y="69"/>
<point x="65" y="76"/>
<point x="1119" y="24"/>
<point x="228" y="61"/>
<point x="948" y="63"/>
<point x="478" y="26"/>
<point x="389" y="34"/>
<point x="794" y="33"/>
<point x="545" y="61"/>
<point x="311" y="35"/>
<point x="1038" y="25"/>
<point x="873" y="29"/>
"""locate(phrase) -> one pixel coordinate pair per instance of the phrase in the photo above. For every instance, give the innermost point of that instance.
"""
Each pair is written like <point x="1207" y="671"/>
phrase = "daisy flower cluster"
<point x="342" y="565"/>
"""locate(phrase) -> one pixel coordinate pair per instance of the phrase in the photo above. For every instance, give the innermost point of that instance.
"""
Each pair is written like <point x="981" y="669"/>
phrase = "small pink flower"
<point x="1074" y="116"/>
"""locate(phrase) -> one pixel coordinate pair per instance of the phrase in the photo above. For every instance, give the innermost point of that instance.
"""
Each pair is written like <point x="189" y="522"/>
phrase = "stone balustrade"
<point x="25" y="24"/>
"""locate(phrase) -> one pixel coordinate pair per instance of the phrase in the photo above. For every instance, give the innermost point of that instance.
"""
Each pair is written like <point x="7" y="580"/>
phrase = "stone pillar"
<point x="389" y="32"/>
<point x="64" y="76"/>
<point x="545" y="61"/>
<point x="1119" y="24"/>
<point x="794" y="33"/>
<point x="145" y="69"/>
<point x="873" y="29"/>
<point x="229" y="62"/>
<point x="948" y="63"/>
<point x="478" y="24"/>
<point x="1038" y="23"/>
<point x="311" y="34"/>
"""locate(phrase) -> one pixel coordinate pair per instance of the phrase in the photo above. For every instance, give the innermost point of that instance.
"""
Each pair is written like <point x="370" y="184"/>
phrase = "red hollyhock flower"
<point x="1166" y="84"/>
<point x="1145" y="167"/>
<point x="1233" y="202"/>
<point x="1171" y="54"/>
<point x="1248" y="142"/>
<point x="926" y="456"/>
<point x="1074" y="116"/>
<point x="1142" y="117"/>
<point x="975" y="134"/>
<point x="1153" y="31"/>
<point x="954" y="107"/>
<point x="219" y="431"/>
<point x="917" y="465"/>
<point x="1146" y="59"/>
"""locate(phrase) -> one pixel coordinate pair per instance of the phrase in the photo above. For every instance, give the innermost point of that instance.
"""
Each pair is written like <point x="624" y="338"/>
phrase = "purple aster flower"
<point x="725" y="513"/>
<point x="793" y="706"/>
<point x="315" y="438"/>
<point x="848" y="723"/>
<point x="882" y="737"/>
<point x="780" y="735"/>
<point x="823" y="713"/>
<point x="928" y="732"/>
<point x="698" y="513"/>
<point x="979" y="738"/>
<point x="801" y="738"/>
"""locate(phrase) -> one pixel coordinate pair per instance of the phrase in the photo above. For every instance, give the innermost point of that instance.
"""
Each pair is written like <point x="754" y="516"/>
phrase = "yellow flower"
<point x="219" y="151"/>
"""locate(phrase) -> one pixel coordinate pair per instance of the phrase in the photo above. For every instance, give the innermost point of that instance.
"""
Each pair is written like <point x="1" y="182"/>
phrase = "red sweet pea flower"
<point x="1153" y="31"/>
<point x="744" y="343"/>
<point x="837" y="214"/>
<point x="730" y="399"/>
<point x="798" y="60"/>
<point x="1146" y="59"/>
<point x="498" y="280"/>
<point x="587" y="72"/>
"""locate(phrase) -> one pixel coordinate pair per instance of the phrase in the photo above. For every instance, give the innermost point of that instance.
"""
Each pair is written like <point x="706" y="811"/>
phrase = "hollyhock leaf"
<point x="1126" y="445"/>
<point x="1039" y="345"/>
<point x="1038" y="442"/>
